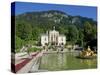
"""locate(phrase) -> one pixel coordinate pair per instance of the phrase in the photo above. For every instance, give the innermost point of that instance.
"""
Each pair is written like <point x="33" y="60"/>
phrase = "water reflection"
<point x="65" y="61"/>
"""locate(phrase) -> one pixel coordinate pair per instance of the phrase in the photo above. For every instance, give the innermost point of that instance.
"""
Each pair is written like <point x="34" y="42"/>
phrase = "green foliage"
<point x="94" y="32"/>
<point x="18" y="43"/>
<point x="36" y="31"/>
<point x="72" y="34"/>
<point x="24" y="30"/>
<point x="34" y="49"/>
<point x="90" y="31"/>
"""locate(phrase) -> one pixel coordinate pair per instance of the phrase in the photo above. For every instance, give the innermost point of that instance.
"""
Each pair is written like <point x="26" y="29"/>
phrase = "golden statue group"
<point x="88" y="53"/>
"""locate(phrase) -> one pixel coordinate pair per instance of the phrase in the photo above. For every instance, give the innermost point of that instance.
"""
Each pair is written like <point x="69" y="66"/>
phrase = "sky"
<point x="85" y="11"/>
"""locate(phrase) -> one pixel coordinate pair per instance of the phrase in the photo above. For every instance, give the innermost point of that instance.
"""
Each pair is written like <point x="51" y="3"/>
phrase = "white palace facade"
<point x="53" y="37"/>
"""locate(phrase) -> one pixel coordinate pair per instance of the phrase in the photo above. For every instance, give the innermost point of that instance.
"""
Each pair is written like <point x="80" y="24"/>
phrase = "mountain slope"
<point x="54" y="17"/>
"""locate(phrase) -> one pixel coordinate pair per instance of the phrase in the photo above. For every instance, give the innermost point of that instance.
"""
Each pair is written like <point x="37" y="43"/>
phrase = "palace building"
<point x="53" y="37"/>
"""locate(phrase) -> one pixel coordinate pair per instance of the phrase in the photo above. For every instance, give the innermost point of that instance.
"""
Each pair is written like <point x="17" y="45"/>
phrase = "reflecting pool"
<point x="65" y="61"/>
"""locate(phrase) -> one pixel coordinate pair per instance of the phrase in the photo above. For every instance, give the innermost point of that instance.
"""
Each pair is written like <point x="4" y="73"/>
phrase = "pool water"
<point x="65" y="61"/>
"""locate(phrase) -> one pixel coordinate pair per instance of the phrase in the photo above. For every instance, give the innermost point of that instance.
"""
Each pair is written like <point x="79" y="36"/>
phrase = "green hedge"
<point x="34" y="49"/>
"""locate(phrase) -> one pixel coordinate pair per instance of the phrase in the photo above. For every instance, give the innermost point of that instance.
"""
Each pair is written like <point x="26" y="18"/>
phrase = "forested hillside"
<point x="77" y="29"/>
